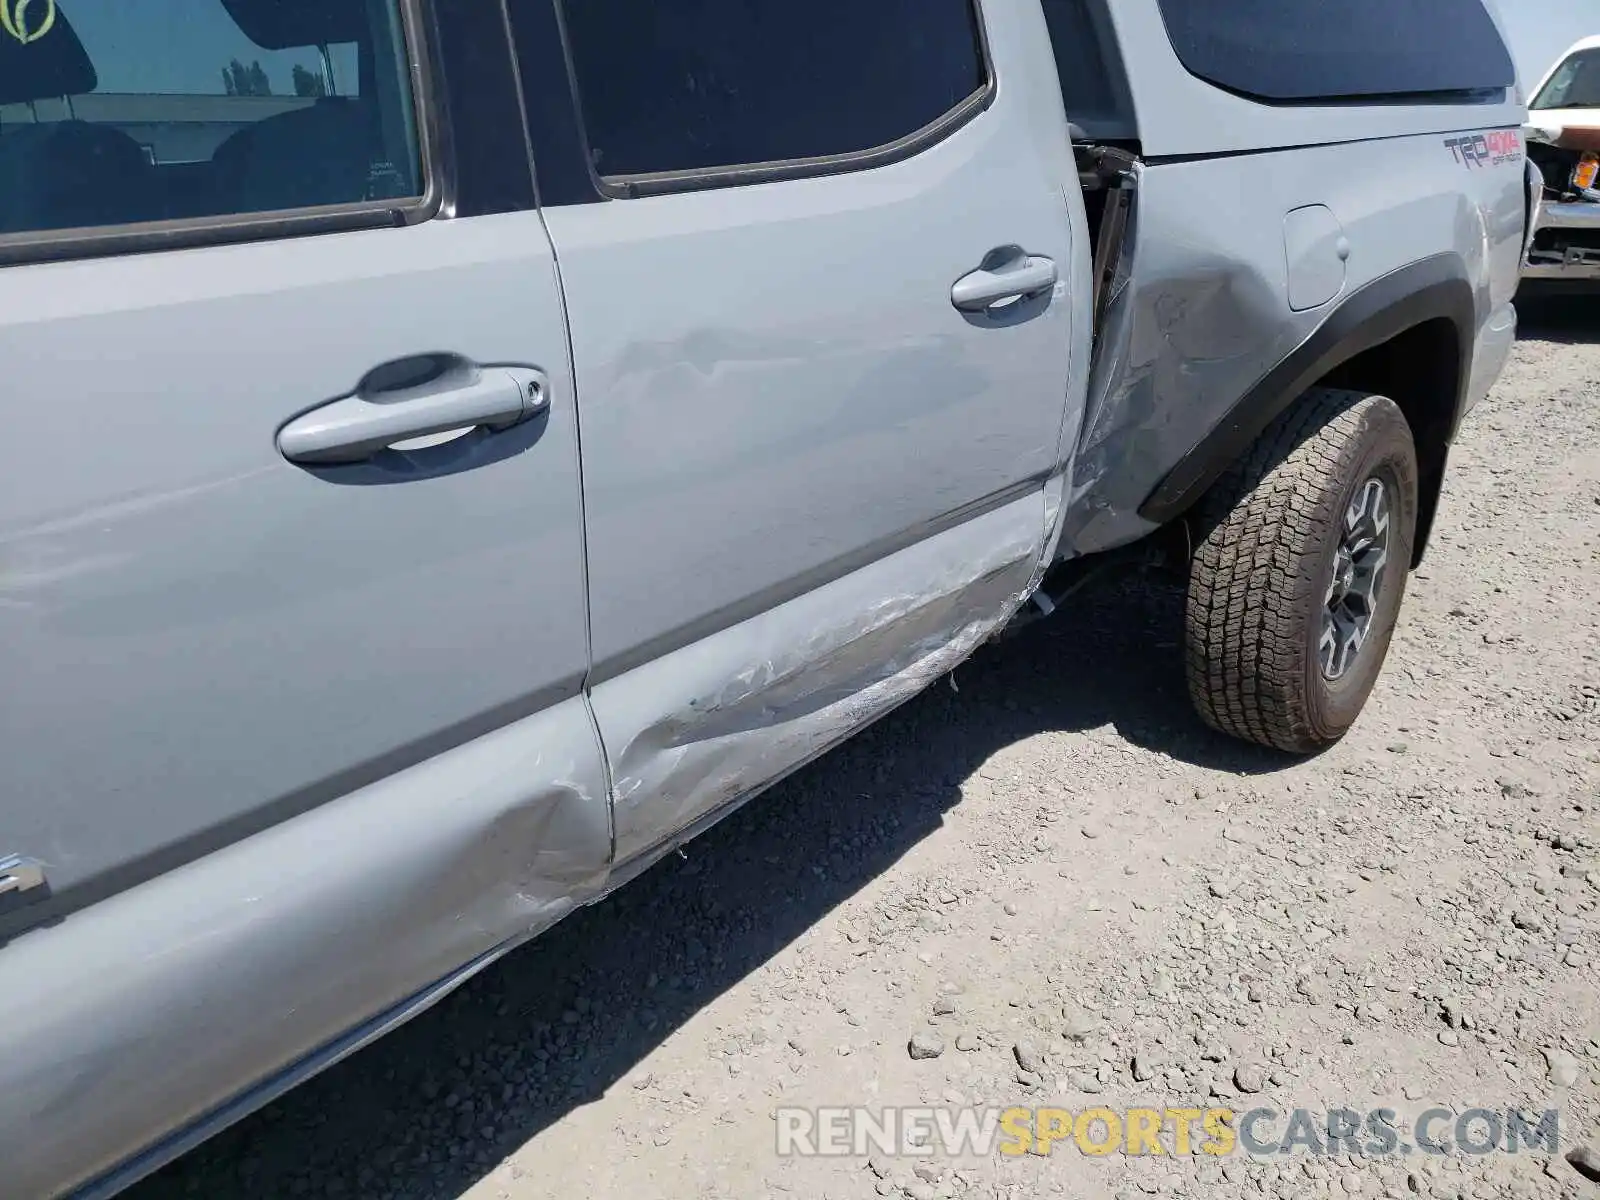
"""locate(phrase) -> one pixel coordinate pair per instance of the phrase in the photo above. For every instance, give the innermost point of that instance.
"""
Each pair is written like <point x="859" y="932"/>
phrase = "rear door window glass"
<point x="704" y="84"/>
<point x="116" y="112"/>
<point x="1309" y="51"/>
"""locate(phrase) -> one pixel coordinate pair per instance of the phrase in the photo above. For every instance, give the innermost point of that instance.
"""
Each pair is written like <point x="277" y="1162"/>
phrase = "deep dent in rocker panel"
<point x="759" y="698"/>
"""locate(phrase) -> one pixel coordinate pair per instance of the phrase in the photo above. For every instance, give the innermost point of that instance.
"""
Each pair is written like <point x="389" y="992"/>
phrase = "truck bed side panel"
<point x="1204" y="314"/>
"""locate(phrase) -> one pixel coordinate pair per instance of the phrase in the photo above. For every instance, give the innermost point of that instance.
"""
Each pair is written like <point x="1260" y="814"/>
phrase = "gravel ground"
<point x="1053" y="887"/>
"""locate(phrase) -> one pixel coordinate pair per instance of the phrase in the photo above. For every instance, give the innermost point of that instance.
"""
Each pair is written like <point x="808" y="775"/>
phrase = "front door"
<point x="257" y="578"/>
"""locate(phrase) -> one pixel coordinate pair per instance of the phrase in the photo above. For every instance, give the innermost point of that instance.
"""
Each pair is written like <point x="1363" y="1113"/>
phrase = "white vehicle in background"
<point x="1563" y="139"/>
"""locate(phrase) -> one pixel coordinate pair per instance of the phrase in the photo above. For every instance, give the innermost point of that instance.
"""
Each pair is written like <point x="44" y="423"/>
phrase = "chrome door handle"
<point x="1016" y="278"/>
<point x="357" y="427"/>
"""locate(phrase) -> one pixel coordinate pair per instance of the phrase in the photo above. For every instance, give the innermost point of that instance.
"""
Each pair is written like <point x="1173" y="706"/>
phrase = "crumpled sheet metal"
<point x="1195" y="317"/>
<point x="759" y="699"/>
<point x="286" y="941"/>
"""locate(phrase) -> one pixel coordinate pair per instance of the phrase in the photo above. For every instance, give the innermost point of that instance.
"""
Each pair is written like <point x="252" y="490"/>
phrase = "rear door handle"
<point x="463" y="396"/>
<point x="1017" y="277"/>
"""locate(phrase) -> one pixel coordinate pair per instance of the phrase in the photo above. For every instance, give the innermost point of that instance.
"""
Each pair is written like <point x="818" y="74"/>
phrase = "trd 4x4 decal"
<point x="1491" y="149"/>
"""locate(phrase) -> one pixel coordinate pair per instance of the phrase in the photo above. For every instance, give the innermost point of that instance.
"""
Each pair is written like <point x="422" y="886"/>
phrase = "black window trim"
<point x="144" y="237"/>
<point x="1455" y="97"/>
<point x="660" y="183"/>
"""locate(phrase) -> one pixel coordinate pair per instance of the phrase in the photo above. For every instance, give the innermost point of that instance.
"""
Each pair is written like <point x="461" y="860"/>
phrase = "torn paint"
<point x="1195" y="313"/>
<point x="759" y="699"/>
<point x="1200" y="313"/>
<point x="1187" y="325"/>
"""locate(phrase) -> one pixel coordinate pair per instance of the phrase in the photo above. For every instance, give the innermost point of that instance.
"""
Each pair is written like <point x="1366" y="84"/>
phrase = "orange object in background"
<point x="1583" y="175"/>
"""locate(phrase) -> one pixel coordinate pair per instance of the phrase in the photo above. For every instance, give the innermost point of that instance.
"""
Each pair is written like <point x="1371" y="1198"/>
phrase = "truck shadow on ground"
<point x="429" y="1110"/>
<point x="1571" y="319"/>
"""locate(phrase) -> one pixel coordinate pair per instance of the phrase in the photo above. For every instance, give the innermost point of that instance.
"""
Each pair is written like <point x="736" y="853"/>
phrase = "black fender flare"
<point x="1426" y="290"/>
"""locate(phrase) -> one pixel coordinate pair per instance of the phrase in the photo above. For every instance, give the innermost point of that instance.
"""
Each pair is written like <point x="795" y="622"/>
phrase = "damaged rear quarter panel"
<point x="1203" y="314"/>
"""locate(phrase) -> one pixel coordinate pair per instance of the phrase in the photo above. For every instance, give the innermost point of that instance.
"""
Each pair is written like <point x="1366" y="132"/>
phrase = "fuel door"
<point x="1316" y="250"/>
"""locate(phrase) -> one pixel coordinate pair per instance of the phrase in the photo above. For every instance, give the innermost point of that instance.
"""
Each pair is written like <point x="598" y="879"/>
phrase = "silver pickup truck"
<point x="457" y="450"/>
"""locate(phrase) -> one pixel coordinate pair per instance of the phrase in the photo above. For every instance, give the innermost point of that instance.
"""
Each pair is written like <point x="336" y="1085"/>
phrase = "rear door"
<point x="821" y="270"/>
<point x="236" y="268"/>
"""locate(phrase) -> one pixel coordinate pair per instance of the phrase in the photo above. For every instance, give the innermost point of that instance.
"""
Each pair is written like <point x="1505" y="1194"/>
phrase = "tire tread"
<point x="1255" y="565"/>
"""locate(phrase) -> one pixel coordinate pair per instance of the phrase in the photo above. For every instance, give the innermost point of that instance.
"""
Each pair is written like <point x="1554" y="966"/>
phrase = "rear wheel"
<point x="1301" y="559"/>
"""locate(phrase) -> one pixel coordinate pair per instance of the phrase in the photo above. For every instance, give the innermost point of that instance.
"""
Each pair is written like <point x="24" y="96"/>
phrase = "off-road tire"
<point x="1264" y="541"/>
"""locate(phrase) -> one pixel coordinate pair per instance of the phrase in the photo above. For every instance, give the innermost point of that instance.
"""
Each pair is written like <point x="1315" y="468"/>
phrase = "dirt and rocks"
<point x="1049" y="886"/>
